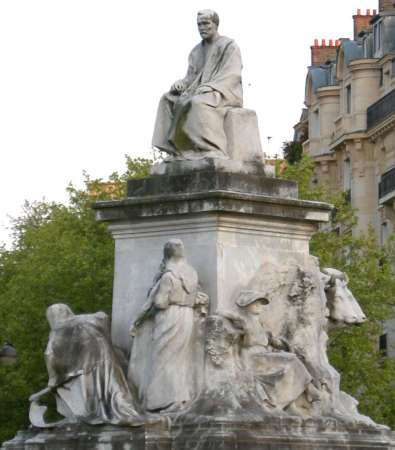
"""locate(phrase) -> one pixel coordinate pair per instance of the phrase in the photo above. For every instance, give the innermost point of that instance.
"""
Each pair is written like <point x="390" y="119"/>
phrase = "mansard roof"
<point x="350" y="50"/>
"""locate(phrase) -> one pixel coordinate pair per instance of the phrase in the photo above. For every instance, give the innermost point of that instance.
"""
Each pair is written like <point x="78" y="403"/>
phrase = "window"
<point x="347" y="177"/>
<point x="377" y="30"/>
<point x="348" y="99"/>
<point x="316" y="129"/>
<point x="384" y="233"/>
<point x="383" y="344"/>
<point x="381" y="77"/>
<point x="393" y="68"/>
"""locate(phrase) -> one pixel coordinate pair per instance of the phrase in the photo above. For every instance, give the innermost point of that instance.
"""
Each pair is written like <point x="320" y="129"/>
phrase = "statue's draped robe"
<point x="82" y="363"/>
<point x="192" y="124"/>
<point x="162" y="364"/>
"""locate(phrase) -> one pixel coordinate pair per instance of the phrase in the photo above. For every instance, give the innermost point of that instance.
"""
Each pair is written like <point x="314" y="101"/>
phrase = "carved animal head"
<point x="342" y="305"/>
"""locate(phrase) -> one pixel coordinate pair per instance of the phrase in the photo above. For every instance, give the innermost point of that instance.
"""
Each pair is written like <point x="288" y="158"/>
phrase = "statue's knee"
<point x="195" y="101"/>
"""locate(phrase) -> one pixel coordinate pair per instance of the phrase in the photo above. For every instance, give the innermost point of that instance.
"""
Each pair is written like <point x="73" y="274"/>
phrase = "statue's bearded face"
<point x="207" y="28"/>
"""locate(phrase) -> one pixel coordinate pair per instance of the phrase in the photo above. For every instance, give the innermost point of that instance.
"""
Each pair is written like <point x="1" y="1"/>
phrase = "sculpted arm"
<point x="158" y="299"/>
<point x="162" y="295"/>
<point x="179" y="86"/>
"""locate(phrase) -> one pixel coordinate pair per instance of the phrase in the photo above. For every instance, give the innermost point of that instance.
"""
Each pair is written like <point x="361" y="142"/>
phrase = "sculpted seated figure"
<point x="282" y="377"/>
<point x="190" y="118"/>
<point x="84" y="372"/>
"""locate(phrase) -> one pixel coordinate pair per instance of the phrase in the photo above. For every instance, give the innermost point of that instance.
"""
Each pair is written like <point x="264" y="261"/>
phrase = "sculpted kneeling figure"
<point x="84" y="372"/>
<point x="190" y="118"/>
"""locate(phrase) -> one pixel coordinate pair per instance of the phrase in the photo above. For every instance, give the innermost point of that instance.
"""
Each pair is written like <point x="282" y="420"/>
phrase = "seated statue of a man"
<point x="190" y="118"/>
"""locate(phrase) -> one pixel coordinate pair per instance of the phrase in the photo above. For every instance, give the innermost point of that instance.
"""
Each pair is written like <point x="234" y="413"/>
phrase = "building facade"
<point x="348" y="125"/>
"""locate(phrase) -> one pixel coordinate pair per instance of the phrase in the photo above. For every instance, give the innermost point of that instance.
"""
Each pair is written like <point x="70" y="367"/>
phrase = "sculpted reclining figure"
<point x="84" y="372"/>
<point x="190" y="118"/>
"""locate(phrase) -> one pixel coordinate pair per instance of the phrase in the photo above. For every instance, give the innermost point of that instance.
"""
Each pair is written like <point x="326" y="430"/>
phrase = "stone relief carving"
<point x="190" y="118"/>
<point x="280" y="339"/>
<point x="265" y="356"/>
<point x="84" y="373"/>
<point x="163" y="364"/>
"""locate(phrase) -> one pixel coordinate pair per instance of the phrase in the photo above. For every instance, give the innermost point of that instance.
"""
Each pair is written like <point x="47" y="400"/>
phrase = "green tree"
<point x="366" y="373"/>
<point x="59" y="253"/>
<point x="293" y="151"/>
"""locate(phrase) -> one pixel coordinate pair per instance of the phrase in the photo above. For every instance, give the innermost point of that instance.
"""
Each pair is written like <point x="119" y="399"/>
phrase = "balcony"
<point x="381" y="109"/>
<point x="387" y="186"/>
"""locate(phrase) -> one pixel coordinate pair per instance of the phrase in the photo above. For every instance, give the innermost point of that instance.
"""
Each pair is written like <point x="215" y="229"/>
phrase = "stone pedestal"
<point x="230" y="225"/>
<point x="271" y="434"/>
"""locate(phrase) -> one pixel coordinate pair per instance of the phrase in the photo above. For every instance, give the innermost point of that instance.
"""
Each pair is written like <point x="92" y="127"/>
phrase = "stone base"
<point x="272" y="434"/>
<point x="206" y="181"/>
<point x="174" y="167"/>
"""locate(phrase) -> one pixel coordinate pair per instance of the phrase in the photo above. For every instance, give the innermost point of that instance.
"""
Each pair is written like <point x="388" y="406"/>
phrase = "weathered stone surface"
<point x="242" y="133"/>
<point x="225" y="249"/>
<point x="163" y="206"/>
<point x="287" y="433"/>
<point x="206" y="181"/>
<point x="167" y="353"/>
<point x="181" y="167"/>
<point x="85" y="373"/>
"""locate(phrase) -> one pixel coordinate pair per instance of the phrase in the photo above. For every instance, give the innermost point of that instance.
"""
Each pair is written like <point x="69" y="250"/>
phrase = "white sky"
<point x="80" y="79"/>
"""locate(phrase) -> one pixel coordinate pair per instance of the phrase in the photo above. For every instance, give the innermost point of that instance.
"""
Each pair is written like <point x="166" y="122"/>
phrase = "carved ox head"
<point x="342" y="305"/>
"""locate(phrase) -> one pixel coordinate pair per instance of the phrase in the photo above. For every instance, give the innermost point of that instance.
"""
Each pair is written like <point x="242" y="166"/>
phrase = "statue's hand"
<point x="178" y="87"/>
<point x="236" y="319"/>
<point x="36" y="397"/>
<point x="201" y="298"/>
<point x="278" y="343"/>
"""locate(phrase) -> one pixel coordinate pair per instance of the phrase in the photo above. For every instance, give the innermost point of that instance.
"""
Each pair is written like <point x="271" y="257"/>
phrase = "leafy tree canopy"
<point x="293" y="151"/>
<point x="59" y="253"/>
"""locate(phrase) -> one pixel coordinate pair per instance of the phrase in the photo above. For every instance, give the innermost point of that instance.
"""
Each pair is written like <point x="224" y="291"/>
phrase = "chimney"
<point x="386" y="5"/>
<point x="362" y="22"/>
<point x="321" y="52"/>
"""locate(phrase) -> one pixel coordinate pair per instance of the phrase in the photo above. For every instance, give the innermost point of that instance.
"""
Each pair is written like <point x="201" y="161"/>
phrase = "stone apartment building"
<point x="348" y="124"/>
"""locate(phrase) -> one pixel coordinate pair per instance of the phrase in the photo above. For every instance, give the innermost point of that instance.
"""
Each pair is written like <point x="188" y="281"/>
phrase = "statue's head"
<point x="173" y="249"/>
<point x="58" y="313"/>
<point x="207" y="21"/>
<point x="252" y="301"/>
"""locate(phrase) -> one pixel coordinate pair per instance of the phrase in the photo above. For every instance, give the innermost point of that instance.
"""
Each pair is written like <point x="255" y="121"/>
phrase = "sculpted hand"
<point x="177" y="87"/>
<point x="236" y="320"/>
<point x="201" y="299"/>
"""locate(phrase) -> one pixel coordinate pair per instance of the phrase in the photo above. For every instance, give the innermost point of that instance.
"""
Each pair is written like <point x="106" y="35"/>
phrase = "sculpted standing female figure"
<point x="164" y="334"/>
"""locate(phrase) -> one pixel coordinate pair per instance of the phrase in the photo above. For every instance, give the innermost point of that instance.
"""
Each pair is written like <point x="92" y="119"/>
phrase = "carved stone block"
<point x="242" y="134"/>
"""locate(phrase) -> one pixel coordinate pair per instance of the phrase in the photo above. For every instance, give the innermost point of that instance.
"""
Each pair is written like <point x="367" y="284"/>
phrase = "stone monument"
<point x="220" y="314"/>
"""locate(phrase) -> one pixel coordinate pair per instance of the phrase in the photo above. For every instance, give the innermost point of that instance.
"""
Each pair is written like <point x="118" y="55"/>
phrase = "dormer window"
<point x="365" y="47"/>
<point x="377" y="36"/>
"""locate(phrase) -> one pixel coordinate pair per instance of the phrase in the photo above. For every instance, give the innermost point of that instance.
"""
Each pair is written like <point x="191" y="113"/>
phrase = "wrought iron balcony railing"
<point x="381" y="109"/>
